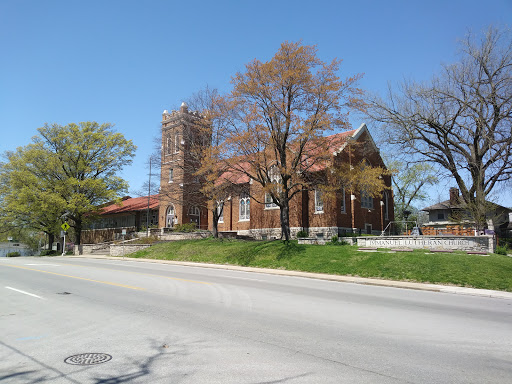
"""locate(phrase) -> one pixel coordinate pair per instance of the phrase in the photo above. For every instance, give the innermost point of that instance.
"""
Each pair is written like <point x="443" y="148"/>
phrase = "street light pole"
<point x="64" y="245"/>
<point x="406" y="214"/>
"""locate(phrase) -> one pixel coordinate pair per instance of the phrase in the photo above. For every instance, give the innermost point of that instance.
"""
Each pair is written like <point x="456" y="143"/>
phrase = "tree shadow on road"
<point x="283" y="380"/>
<point x="145" y="367"/>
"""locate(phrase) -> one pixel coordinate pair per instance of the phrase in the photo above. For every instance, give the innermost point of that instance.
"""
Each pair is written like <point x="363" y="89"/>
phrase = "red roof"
<point x="237" y="176"/>
<point x="338" y="139"/>
<point x="131" y="205"/>
<point x="334" y="144"/>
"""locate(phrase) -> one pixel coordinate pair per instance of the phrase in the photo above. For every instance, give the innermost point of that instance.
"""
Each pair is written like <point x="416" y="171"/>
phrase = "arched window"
<point x="168" y="148"/>
<point x="170" y="216"/>
<point x="220" y="210"/>
<point x="343" y="204"/>
<point x="366" y="199"/>
<point x="194" y="211"/>
<point x="319" y="202"/>
<point x="245" y="207"/>
<point x="176" y="143"/>
<point x="195" y="215"/>
<point x="274" y="177"/>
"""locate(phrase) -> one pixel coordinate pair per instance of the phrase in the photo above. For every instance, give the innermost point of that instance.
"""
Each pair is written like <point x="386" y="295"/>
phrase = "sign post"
<point x="65" y="227"/>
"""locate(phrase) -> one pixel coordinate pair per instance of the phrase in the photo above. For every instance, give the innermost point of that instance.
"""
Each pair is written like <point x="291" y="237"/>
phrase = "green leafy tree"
<point x="67" y="172"/>
<point x="27" y="197"/>
<point x="409" y="181"/>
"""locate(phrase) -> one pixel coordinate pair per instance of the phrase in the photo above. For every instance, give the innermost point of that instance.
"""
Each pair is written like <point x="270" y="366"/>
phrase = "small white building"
<point x="13" y="246"/>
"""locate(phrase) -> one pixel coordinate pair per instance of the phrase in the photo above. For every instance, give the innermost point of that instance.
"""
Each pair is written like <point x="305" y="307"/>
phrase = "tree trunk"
<point x="476" y="203"/>
<point x="479" y="208"/>
<point x="78" y="231"/>
<point x="215" y="228"/>
<point x="285" y="220"/>
<point x="51" y="239"/>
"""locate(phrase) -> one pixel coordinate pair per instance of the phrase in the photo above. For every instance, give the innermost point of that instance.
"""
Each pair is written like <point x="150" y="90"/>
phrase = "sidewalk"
<point x="321" y="276"/>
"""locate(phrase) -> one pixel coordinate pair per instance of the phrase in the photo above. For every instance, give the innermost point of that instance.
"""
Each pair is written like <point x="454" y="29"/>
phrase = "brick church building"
<point x="180" y="202"/>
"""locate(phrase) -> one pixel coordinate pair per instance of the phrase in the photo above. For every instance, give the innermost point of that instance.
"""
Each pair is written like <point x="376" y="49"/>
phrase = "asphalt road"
<point x="178" y="324"/>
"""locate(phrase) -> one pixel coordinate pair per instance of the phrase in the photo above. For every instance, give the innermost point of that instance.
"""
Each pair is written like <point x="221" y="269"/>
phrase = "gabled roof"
<point x="461" y="205"/>
<point x="337" y="143"/>
<point x="236" y="176"/>
<point x="354" y="135"/>
<point x="130" y="204"/>
<point x="442" y="205"/>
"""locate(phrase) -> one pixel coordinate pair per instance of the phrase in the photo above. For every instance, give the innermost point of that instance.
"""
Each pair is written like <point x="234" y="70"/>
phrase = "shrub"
<point x="505" y="242"/>
<point x="145" y="229"/>
<point x="351" y="234"/>
<point x="302" y="234"/>
<point x="335" y="239"/>
<point x="13" y="254"/>
<point x="48" y="252"/>
<point x="501" y="250"/>
<point x="187" y="227"/>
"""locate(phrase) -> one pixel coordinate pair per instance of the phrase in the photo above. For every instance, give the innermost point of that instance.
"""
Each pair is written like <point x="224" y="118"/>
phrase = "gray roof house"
<point x="453" y="212"/>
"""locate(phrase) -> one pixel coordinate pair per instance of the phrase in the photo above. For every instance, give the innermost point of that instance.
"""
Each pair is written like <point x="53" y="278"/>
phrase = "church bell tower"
<point x="181" y="201"/>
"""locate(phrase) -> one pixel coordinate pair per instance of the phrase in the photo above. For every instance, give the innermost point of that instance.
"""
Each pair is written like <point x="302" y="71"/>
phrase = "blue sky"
<point x="124" y="62"/>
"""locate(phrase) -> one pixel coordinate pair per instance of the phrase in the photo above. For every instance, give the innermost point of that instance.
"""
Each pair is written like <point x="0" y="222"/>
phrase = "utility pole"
<point x="149" y="193"/>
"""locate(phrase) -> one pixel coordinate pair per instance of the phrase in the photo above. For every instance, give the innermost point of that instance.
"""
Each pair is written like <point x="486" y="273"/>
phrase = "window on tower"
<point x="176" y="143"/>
<point x="168" y="145"/>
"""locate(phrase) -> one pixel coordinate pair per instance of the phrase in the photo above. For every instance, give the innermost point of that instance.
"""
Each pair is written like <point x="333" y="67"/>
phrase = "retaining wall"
<point x="173" y="236"/>
<point x="125" y="249"/>
<point x="87" y="249"/>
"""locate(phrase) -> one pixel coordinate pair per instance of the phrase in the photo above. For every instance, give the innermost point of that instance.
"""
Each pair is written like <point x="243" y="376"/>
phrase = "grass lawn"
<point x="487" y="272"/>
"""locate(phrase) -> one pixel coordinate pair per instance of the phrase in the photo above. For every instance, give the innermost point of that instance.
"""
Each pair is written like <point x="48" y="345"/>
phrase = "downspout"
<point x="230" y="214"/>
<point x="381" y="216"/>
<point x="352" y="199"/>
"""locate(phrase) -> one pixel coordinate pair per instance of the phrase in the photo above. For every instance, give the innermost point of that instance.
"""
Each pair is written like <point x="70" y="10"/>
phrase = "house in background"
<point x="451" y="217"/>
<point x="130" y="214"/>
<point x="15" y="246"/>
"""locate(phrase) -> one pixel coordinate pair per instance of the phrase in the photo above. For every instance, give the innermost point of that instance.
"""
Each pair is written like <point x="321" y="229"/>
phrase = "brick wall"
<point x="302" y="206"/>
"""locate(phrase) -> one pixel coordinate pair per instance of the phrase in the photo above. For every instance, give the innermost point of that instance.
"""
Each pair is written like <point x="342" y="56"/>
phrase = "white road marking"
<point x="26" y="293"/>
<point x="240" y="278"/>
<point x="53" y="265"/>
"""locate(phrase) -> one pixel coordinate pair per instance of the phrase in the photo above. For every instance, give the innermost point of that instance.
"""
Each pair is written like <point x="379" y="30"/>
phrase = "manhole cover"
<point x="88" y="359"/>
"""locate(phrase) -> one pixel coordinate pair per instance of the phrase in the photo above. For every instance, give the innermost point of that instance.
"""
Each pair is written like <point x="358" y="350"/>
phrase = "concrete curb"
<point x="322" y="276"/>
